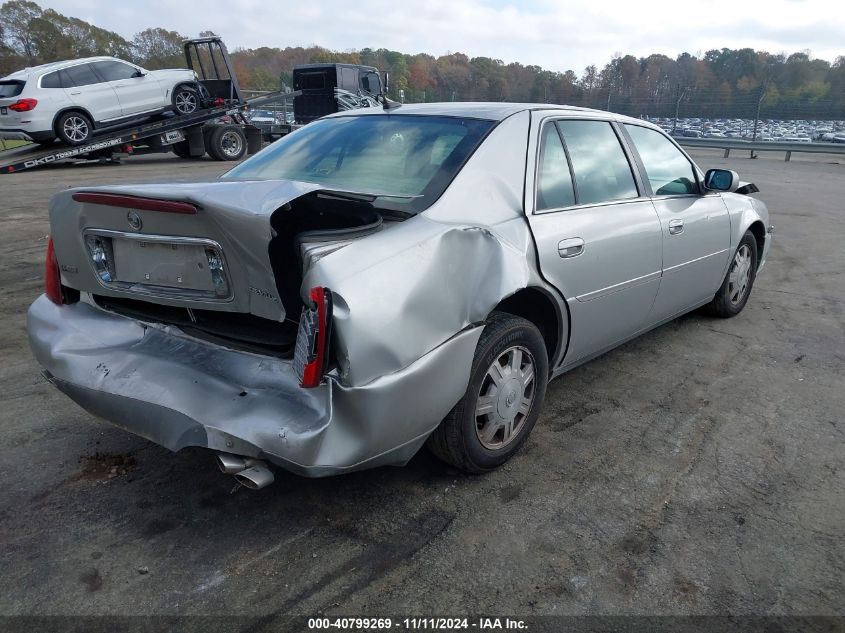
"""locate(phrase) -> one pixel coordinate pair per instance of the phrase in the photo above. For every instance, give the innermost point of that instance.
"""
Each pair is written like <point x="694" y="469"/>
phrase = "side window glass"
<point x="82" y="75"/>
<point x="114" y="71"/>
<point x="602" y="171"/>
<point x="668" y="170"/>
<point x="554" y="182"/>
<point x="51" y="80"/>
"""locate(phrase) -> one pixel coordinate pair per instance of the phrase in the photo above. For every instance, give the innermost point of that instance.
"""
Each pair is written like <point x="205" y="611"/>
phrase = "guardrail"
<point x="728" y="144"/>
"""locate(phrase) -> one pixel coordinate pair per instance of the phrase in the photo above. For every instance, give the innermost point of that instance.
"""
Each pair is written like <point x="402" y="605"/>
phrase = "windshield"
<point x="409" y="160"/>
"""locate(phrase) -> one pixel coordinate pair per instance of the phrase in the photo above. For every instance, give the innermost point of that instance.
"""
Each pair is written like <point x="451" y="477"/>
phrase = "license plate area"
<point x="174" y="136"/>
<point x="158" y="265"/>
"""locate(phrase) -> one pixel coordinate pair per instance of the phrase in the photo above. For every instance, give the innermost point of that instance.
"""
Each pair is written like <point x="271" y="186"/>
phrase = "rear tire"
<point x="733" y="294"/>
<point x="74" y="128"/>
<point x="227" y="142"/>
<point x="507" y="385"/>
<point x="183" y="150"/>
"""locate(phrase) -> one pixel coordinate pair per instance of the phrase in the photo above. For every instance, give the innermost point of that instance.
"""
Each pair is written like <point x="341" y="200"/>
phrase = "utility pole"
<point x="678" y="108"/>
<point x="763" y="89"/>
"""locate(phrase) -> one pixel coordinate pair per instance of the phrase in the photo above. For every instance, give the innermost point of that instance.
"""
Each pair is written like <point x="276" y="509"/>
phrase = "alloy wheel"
<point x="186" y="102"/>
<point x="76" y="129"/>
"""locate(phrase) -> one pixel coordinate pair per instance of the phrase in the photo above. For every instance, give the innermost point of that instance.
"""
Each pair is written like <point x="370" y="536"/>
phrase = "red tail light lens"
<point x="24" y="105"/>
<point x="52" y="277"/>
<point x="311" y="356"/>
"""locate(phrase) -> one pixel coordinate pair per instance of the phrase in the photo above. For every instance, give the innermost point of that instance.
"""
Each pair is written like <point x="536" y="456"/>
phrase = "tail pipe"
<point x="250" y="473"/>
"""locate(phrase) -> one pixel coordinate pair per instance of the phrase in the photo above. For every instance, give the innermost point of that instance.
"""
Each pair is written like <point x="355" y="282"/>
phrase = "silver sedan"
<point x="383" y="279"/>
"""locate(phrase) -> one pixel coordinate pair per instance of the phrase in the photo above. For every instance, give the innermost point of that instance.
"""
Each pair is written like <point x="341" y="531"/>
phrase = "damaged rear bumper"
<point x="177" y="391"/>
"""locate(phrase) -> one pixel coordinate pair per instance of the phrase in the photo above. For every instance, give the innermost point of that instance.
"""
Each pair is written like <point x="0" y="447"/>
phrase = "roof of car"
<point x="492" y="111"/>
<point x="43" y="68"/>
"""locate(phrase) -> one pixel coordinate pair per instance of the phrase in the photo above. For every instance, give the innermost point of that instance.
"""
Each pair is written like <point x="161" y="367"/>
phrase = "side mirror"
<point x="385" y="82"/>
<point x="721" y="180"/>
<point x="138" y="73"/>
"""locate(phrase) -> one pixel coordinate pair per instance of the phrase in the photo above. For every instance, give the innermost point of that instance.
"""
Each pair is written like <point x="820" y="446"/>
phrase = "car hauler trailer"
<point x="219" y="128"/>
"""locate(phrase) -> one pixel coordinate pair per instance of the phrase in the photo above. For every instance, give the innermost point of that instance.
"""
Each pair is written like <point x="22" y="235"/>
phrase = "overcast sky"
<point x="558" y="35"/>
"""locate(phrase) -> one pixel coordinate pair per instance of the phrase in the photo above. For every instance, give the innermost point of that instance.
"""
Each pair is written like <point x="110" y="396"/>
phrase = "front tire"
<point x="733" y="294"/>
<point x="74" y="128"/>
<point x="186" y="100"/>
<point x="507" y="385"/>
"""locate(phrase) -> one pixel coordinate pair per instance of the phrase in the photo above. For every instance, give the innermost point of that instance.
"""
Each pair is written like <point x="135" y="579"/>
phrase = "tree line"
<point x="735" y="83"/>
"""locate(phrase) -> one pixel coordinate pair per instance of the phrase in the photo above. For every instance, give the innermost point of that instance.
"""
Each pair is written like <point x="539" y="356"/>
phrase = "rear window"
<point x="312" y="81"/>
<point x="51" y="80"/>
<point x="11" y="88"/>
<point x="407" y="160"/>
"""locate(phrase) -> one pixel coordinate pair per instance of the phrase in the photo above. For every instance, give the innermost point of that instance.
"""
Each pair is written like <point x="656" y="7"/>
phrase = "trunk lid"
<point x="214" y="258"/>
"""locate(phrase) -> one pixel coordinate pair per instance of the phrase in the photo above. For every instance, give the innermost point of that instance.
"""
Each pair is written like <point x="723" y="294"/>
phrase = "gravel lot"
<point x="697" y="470"/>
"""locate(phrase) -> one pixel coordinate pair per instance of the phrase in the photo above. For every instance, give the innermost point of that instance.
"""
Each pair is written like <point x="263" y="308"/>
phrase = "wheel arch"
<point x="537" y="305"/>
<point x="759" y="231"/>
<point x="73" y="108"/>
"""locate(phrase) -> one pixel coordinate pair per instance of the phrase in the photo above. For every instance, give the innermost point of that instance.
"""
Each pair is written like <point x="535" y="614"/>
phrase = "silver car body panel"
<point x="410" y="302"/>
<point x="178" y="391"/>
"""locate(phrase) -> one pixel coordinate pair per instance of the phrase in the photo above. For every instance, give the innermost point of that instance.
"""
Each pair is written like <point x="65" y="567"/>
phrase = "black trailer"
<point x="219" y="128"/>
<point x="320" y="84"/>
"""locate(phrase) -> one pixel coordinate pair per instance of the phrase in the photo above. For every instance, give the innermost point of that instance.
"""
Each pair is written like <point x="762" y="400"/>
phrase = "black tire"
<point x="457" y="441"/>
<point x="186" y="100"/>
<point x="733" y="294"/>
<point x="183" y="150"/>
<point x="226" y="142"/>
<point x="74" y="128"/>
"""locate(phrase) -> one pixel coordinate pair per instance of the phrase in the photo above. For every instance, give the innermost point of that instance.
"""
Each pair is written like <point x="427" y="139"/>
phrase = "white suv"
<point x="70" y="100"/>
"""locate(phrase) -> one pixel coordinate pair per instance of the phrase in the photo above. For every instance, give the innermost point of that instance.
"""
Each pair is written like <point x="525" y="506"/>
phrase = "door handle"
<point x="571" y="247"/>
<point x="676" y="227"/>
<point x="76" y="93"/>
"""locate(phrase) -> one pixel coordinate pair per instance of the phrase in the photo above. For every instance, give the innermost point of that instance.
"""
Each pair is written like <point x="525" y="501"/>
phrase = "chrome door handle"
<point x="676" y="227"/>
<point x="571" y="247"/>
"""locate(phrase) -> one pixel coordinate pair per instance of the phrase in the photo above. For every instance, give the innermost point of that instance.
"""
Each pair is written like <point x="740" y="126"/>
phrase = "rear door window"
<point x="602" y="171"/>
<point x="554" y="181"/>
<point x="82" y="75"/>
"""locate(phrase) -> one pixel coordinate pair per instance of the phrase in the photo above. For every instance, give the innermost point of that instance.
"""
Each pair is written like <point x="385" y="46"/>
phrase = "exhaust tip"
<point x="230" y="464"/>
<point x="256" y="477"/>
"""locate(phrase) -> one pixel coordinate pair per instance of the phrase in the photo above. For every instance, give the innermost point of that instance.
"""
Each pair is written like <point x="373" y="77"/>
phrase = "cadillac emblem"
<point x="134" y="220"/>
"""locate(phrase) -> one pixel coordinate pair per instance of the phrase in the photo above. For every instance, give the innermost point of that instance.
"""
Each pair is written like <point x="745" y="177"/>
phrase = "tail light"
<point x="24" y="105"/>
<point x="52" y="276"/>
<point x="311" y="356"/>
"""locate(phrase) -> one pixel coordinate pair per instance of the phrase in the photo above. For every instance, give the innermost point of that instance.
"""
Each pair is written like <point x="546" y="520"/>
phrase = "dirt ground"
<point x="697" y="470"/>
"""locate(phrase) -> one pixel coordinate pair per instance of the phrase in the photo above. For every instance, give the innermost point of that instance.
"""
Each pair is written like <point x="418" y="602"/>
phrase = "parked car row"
<point x="797" y="131"/>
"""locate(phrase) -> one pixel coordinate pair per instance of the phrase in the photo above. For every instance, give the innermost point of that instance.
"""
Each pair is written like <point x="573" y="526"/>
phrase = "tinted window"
<point x="82" y="75"/>
<point x="11" y="88"/>
<point x="51" y="80"/>
<point x="412" y="157"/>
<point x="114" y="71"/>
<point x="313" y="81"/>
<point x="554" y="182"/>
<point x="668" y="170"/>
<point x="602" y="172"/>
